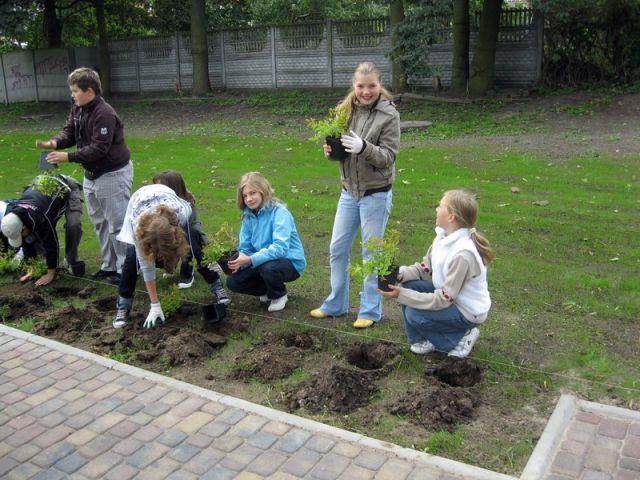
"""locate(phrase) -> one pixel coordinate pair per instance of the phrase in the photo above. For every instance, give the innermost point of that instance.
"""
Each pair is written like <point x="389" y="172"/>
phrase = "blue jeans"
<point x="267" y="279"/>
<point x="443" y="328"/>
<point x="369" y="213"/>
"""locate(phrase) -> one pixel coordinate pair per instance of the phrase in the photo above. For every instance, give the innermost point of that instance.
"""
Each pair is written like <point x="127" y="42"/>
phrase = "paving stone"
<point x="90" y="385"/>
<point x="13" y="397"/>
<point x="124" y="395"/>
<point x="6" y="431"/>
<point x="21" y="422"/>
<point x="24" y="435"/>
<point x="49" y="474"/>
<point x="301" y="462"/>
<point x="634" y="429"/>
<point x="632" y="447"/>
<point x="394" y="470"/>
<point x="601" y="459"/>
<point x="572" y="446"/>
<point x="581" y="431"/>
<point x="172" y="438"/>
<point x="100" y="465"/>
<point x="143" y="419"/>
<point x="42" y="396"/>
<point x="422" y="473"/>
<point x="623" y="474"/>
<point x="156" y="409"/>
<point x="183" y="475"/>
<point x="320" y="443"/>
<point x="127" y="447"/>
<point x="109" y="376"/>
<point x="71" y="463"/>
<point x="228" y="443"/>
<point x="24" y="380"/>
<point x="240" y="457"/>
<point x="158" y="469"/>
<point x="103" y="407"/>
<point x="140" y="386"/>
<point x="124" y="429"/>
<point x="566" y="462"/>
<point x="166" y="421"/>
<point x="595" y="475"/>
<point x="7" y="387"/>
<point x="98" y="446"/>
<point x="77" y="406"/>
<point x="46" y="370"/>
<point x="130" y="407"/>
<point x="15" y="410"/>
<point x="330" y="466"/>
<point x="107" y="421"/>
<point x="22" y="472"/>
<point x="214" y="408"/>
<point x="293" y="440"/>
<point x="262" y="440"/>
<point x="204" y="461"/>
<point x="47" y="409"/>
<point x="81" y="437"/>
<point x="354" y="471"/>
<point x="122" y="472"/>
<point x="62" y="373"/>
<point x="34" y="364"/>
<point x="184" y="452"/>
<point x="90" y="372"/>
<point x="267" y="463"/>
<point x="215" y="428"/>
<point x="52" y="436"/>
<point x="231" y="416"/>
<point x="53" y="454"/>
<point x="630" y="464"/>
<point x="79" y="365"/>
<point x="6" y="465"/>
<point x="370" y="460"/>
<point x="607" y="442"/>
<point x="219" y="473"/>
<point x="38" y="385"/>
<point x="147" y="455"/>
<point x="613" y="428"/>
<point x="147" y="433"/>
<point x="153" y="394"/>
<point x="194" y="422"/>
<point x="200" y="440"/>
<point x="588" y="417"/>
<point x="277" y="428"/>
<point x="189" y="406"/>
<point x="79" y="421"/>
<point x="248" y="425"/>
<point x="24" y="453"/>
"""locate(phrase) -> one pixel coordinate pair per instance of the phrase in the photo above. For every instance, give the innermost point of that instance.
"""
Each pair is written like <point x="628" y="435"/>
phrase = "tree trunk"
<point x="483" y="66"/>
<point x="199" y="49"/>
<point x="51" y="26"/>
<point x="103" y="48"/>
<point x="399" y="81"/>
<point x="460" y="66"/>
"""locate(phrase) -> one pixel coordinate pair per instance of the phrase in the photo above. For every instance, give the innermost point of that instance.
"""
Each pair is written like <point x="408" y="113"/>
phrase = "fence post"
<point x="35" y="74"/>
<point x="179" y="86"/>
<point x="273" y="58"/>
<point x="138" y="65"/>
<point x="223" y="59"/>
<point x="329" y="28"/>
<point x="540" y="43"/>
<point x="4" y="81"/>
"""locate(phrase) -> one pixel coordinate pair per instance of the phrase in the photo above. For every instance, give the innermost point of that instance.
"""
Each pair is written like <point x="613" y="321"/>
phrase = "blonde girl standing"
<point x="367" y="176"/>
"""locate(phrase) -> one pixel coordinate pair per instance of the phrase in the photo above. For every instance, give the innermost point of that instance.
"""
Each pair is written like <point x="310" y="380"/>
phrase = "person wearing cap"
<point x="96" y="130"/>
<point x="29" y="223"/>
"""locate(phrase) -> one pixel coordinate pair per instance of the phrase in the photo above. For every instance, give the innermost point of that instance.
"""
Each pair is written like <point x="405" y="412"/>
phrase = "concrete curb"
<point x="438" y="464"/>
<point x="543" y="454"/>
<point x="599" y="408"/>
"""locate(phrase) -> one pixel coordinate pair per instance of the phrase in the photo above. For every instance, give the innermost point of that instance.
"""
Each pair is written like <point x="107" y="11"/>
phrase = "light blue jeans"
<point x="369" y="213"/>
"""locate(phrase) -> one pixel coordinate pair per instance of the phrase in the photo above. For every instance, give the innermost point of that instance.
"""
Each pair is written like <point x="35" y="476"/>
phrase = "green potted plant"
<point x="222" y="248"/>
<point x="331" y="129"/>
<point x="382" y="262"/>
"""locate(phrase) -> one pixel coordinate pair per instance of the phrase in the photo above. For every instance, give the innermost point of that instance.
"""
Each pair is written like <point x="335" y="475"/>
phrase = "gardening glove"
<point x="155" y="314"/>
<point x="353" y="143"/>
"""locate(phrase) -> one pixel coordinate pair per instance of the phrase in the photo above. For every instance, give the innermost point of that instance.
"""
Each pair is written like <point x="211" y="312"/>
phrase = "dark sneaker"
<point x="220" y="293"/>
<point x="113" y="279"/>
<point x="187" y="281"/>
<point x="122" y="318"/>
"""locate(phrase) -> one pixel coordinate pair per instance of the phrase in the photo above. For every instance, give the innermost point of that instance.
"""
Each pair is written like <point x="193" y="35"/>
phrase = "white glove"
<point x="155" y="314"/>
<point x="352" y="143"/>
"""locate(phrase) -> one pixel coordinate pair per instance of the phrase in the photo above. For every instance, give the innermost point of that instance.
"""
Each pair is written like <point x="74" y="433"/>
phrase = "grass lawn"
<point x="564" y="284"/>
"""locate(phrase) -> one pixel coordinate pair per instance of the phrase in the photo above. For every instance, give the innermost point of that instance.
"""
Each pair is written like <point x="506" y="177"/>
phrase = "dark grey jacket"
<point x="374" y="168"/>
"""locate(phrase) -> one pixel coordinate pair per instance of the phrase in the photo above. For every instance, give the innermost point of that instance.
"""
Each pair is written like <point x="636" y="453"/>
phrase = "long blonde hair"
<point x="260" y="183"/>
<point x="365" y="68"/>
<point x="160" y="237"/>
<point x="464" y="207"/>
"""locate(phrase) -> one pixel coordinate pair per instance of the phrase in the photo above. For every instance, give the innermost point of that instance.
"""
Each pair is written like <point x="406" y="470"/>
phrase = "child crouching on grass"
<point x="157" y="231"/>
<point x="270" y="251"/>
<point x="445" y="298"/>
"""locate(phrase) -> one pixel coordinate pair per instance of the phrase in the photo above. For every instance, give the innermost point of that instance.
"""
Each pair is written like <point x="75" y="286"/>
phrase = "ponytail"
<point x="483" y="246"/>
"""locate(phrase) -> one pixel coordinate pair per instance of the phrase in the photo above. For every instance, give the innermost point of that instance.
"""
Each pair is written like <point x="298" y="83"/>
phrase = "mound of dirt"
<point x="437" y="405"/>
<point x="373" y="356"/>
<point x="456" y="372"/>
<point x="105" y="304"/>
<point x="267" y="363"/>
<point x="301" y="340"/>
<point x="19" y="302"/>
<point x="67" y="323"/>
<point x="65" y="291"/>
<point x="337" y="389"/>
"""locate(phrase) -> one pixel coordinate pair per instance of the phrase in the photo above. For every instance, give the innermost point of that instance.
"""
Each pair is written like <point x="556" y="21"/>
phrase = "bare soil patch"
<point x="68" y="323"/>
<point x="379" y="357"/>
<point x="456" y="372"/>
<point x="21" y="301"/>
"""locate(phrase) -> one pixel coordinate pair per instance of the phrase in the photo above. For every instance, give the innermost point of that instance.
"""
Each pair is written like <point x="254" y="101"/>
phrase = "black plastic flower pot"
<point x="213" y="313"/>
<point x="338" y="151"/>
<point x="224" y="260"/>
<point x="390" y="279"/>
<point x="78" y="269"/>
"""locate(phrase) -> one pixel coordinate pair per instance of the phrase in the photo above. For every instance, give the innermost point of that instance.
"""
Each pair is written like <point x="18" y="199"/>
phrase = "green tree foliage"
<point x="594" y="41"/>
<point x="14" y="21"/>
<point x="285" y="11"/>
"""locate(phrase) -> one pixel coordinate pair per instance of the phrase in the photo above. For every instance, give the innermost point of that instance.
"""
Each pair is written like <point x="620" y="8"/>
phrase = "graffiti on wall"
<point x="53" y="65"/>
<point x="20" y="80"/>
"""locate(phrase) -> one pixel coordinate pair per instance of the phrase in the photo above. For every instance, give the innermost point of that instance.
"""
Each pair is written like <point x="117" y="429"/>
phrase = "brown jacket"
<point x="98" y="133"/>
<point x="379" y="126"/>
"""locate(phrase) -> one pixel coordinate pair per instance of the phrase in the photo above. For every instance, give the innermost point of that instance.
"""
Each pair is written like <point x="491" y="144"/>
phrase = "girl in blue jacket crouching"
<point x="270" y="251"/>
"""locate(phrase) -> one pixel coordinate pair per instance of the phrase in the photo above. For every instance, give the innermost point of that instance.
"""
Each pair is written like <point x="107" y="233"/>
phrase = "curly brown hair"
<point x="161" y="238"/>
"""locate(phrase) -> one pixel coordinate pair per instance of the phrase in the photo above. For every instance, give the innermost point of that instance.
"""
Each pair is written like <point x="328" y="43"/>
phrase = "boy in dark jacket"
<point x="30" y="222"/>
<point x="98" y="133"/>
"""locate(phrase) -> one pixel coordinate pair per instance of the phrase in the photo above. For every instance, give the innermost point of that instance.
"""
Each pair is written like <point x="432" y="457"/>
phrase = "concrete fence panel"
<point x="52" y="68"/>
<point x="20" y="76"/>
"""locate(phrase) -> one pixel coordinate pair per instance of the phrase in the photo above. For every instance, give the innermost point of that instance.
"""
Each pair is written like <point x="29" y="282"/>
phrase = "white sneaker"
<point x="463" y="349"/>
<point x="264" y="299"/>
<point x="278" y="304"/>
<point x="422" y="348"/>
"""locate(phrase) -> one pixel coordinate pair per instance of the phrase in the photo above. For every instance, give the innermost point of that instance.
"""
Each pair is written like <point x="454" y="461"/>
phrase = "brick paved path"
<point x="598" y="443"/>
<point x="65" y="413"/>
